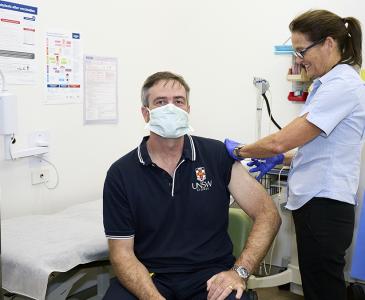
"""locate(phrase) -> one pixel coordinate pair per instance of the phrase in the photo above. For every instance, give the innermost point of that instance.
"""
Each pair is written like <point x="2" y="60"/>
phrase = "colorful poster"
<point x="64" y="68"/>
<point x="17" y="42"/>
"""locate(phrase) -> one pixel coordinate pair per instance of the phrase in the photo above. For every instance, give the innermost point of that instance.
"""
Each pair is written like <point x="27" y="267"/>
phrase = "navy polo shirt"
<point x="179" y="223"/>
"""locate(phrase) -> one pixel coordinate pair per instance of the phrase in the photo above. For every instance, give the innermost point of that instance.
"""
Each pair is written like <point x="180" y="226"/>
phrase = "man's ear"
<point x="145" y="113"/>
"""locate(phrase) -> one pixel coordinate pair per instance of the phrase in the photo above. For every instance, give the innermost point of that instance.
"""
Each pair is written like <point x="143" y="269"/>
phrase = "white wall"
<point x="218" y="46"/>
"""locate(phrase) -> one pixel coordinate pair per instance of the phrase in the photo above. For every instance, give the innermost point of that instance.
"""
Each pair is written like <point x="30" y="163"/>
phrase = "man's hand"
<point x="230" y="146"/>
<point x="221" y="285"/>
<point x="264" y="165"/>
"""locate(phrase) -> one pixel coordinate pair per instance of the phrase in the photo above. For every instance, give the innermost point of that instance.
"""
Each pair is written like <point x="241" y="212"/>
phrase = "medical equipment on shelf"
<point x="8" y="126"/>
<point x="53" y="256"/>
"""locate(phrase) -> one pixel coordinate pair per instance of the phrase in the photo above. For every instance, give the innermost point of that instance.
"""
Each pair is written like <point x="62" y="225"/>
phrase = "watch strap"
<point x="237" y="149"/>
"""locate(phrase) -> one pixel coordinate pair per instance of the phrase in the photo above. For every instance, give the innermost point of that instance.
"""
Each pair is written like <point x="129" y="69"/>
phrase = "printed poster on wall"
<point x="17" y="42"/>
<point x="64" y="68"/>
<point x="100" y="89"/>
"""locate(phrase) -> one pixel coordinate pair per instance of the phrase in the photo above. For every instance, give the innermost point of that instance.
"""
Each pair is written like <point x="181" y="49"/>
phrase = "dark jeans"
<point x="324" y="229"/>
<point x="173" y="286"/>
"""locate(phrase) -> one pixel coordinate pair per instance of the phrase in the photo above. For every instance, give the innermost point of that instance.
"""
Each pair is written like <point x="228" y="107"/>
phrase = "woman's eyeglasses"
<point x="300" y="54"/>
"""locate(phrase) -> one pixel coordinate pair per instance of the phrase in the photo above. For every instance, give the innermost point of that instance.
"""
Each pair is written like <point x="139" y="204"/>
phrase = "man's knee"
<point x="117" y="291"/>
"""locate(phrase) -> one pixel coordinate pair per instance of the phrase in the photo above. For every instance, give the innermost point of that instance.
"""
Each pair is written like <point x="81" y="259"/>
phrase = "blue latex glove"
<point x="230" y="145"/>
<point x="264" y="165"/>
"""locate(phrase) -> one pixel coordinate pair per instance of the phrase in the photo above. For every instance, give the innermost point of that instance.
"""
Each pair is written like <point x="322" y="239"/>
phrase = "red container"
<point x="300" y="98"/>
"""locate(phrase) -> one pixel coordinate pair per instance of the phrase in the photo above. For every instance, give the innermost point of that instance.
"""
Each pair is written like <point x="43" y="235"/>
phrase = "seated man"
<point x="166" y="208"/>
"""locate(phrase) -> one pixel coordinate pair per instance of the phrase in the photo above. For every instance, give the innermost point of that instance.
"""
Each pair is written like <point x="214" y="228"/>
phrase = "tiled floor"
<point x="276" y="294"/>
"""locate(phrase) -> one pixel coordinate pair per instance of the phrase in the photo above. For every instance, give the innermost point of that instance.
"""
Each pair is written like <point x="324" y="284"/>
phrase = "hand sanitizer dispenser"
<point x="8" y="126"/>
<point x="8" y="119"/>
<point x="8" y="116"/>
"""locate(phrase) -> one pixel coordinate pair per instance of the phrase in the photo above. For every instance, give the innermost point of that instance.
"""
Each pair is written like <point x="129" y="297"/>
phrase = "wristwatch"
<point x="236" y="150"/>
<point x="242" y="272"/>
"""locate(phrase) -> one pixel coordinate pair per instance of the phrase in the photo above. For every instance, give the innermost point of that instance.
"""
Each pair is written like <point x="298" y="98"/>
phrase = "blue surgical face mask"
<point x="169" y="121"/>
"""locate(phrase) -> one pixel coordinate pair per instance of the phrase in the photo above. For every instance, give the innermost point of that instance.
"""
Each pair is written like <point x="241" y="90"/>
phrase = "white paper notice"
<point x="64" y="68"/>
<point x="17" y="42"/>
<point x="100" y="89"/>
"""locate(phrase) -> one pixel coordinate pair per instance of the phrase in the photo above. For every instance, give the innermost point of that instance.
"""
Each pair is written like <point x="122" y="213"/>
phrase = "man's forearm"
<point x="135" y="277"/>
<point x="265" y="227"/>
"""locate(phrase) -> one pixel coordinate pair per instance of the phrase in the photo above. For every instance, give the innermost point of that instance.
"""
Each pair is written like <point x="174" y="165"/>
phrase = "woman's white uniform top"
<point x="329" y="165"/>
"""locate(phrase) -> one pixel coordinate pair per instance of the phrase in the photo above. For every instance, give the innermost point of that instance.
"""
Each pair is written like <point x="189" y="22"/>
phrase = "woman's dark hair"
<point x="319" y="24"/>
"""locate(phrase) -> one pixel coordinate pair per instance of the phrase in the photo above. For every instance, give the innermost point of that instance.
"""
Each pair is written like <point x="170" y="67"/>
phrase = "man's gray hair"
<point x="162" y="76"/>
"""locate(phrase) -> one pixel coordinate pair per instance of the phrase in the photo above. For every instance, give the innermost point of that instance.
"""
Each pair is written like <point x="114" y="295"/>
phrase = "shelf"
<point x="275" y="171"/>
<point x="283" y="49"/>
<point x="297" y="77"/>
<point x="279" y="184"/>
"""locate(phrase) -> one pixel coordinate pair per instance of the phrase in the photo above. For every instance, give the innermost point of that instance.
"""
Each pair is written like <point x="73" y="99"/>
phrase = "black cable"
<point x="269" y="111"/>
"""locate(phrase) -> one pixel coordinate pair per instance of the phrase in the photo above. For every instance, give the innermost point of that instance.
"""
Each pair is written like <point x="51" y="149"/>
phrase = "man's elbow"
<point x="277" y="221"/>
<point x="273" y="217"/>
<point x="269" y="215"/>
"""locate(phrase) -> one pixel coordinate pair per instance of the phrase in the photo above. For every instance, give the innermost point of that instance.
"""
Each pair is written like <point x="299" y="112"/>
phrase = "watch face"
<point x="242" y="272"/>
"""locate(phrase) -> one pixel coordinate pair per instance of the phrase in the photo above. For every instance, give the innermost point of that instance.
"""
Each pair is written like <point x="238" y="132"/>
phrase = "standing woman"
<point x="324" y="174"/>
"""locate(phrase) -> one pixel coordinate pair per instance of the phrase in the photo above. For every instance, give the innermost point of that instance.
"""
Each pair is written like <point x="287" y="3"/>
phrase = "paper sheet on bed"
<point x="35" y="246"/>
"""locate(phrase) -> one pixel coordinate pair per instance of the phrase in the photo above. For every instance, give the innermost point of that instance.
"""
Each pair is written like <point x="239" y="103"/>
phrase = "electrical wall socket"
<point x="40" y="176"/>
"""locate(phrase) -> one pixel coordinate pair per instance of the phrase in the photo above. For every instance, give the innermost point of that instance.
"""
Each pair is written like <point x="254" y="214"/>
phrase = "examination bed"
<point x="47" y="256"/>
<point x="55" y="256"/>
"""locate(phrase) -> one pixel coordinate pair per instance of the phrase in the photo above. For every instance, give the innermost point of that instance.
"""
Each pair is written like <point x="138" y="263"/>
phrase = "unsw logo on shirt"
<point x="202" y="184"/>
